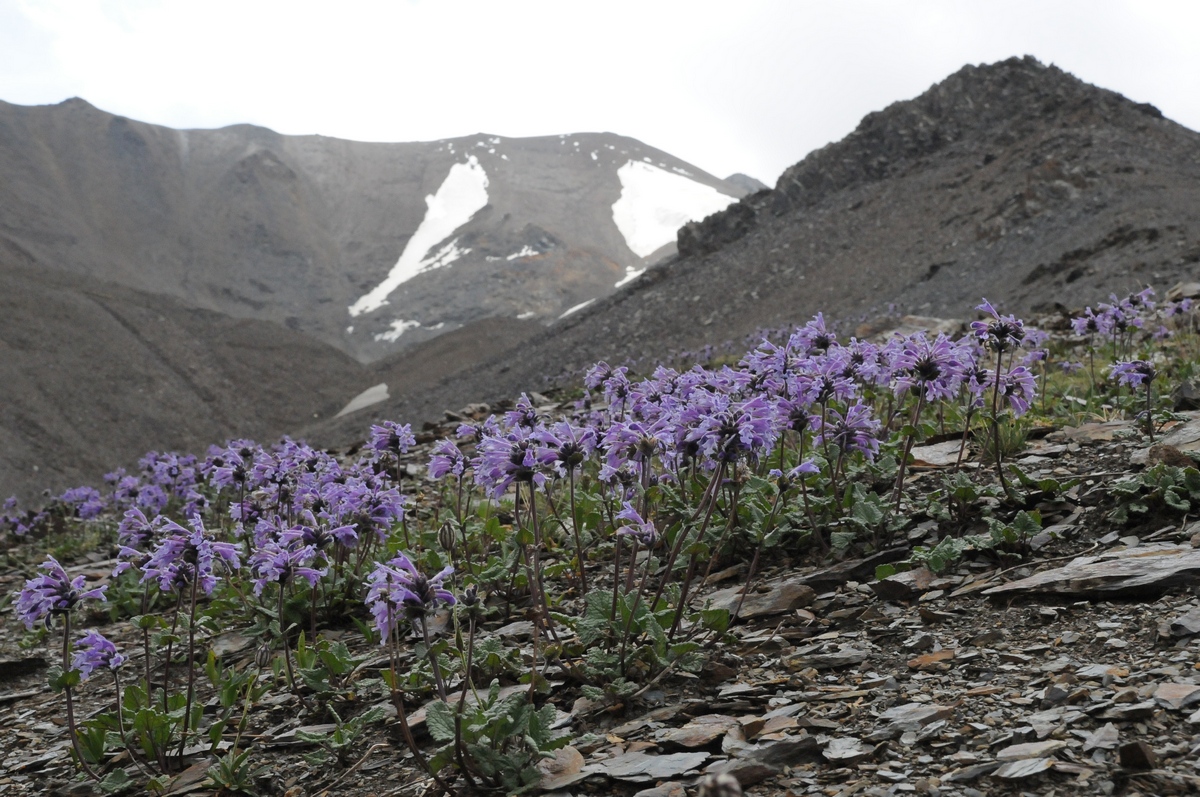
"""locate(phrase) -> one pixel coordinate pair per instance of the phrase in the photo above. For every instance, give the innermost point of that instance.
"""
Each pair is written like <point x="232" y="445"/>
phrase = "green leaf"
<point x="715" y="619"/>
<point x="115" y="781"/>
<point x="439" y="719"/>
<point x="883" y="571"/>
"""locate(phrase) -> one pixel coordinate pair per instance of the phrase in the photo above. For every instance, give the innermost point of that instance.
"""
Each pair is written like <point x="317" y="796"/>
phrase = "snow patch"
<point x="594" y="157"/>
<point x="684" y="172"/>
<point x="654" y="204"/>
<point x="526" y="315"/>
<point x="528" y="251"/>
<point x="630" y="275"/>
<point x="350" y="329"/>
<point x="398" y="328"/>
<point x="576" y="308"/>
<point x="372" y="395"/>
<point x="462" y="194"/>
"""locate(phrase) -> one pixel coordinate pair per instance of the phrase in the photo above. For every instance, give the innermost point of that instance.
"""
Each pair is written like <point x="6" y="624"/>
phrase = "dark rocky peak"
<point x="978" y="108"/>
<point x="994" y="104"/>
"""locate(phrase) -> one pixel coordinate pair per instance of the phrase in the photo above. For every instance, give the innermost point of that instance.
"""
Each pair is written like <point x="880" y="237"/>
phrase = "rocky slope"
<point x="367" y="247"/>
<point x="1015" y="181"/>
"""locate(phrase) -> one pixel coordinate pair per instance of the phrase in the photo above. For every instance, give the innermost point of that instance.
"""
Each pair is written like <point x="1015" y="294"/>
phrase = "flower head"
<point x="94" y="651"/>
<point x="398" y="586"/>
<point x="52" y="593"/>
<point x="393" y="437"/>
<point x="1133" y="373"/>
<point x="1001" y="333"/>
<point x="635" y="527"/>
<point x="186" y="554"/>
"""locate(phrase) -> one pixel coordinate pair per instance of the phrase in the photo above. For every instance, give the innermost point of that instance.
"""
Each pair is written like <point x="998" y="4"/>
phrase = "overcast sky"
<point x="729" y="86"/>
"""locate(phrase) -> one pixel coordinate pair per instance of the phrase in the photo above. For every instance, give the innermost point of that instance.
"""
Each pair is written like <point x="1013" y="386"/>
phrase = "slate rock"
<point x="1186" y="624"/>
<point x="1130" y="572"/>
<point x="1137" y="755"/>
<point x="1025" y="768"/>
<point x="779" y="598"/>
<point x="1019" y="752"/>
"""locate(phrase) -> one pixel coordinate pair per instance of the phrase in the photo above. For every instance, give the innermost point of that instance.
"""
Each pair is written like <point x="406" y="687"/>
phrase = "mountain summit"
<point x="367" y="247"/>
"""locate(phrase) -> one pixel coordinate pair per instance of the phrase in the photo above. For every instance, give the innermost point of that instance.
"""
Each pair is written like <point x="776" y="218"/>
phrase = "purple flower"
<point x="636" y="527"/>
<point x="1002" y="333"/>
<point x="725" y="430"/>
<point x="1018" y="388"/>
<point x="854" y="431"/>
<point x="1089" y="323"/>
<point x="446" y="458"/>
<point x="515" y="457"/>
<point x="399" y="587"/>
<point x="278" y="562"/>
<point x="185" y="555"/>
<point x="931" y="367"/>
<point x="393" y="437"/>
<point x="95" y="652"/>
<point x="52" y="593"/>
<point x="1133" y="373"/>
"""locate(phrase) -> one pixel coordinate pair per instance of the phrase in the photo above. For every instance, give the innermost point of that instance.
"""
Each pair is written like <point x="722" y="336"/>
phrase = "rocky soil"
<point x="997" y="677"/>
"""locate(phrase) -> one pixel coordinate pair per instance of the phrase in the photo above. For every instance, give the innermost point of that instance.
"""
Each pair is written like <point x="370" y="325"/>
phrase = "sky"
<point x="747" y="86"/>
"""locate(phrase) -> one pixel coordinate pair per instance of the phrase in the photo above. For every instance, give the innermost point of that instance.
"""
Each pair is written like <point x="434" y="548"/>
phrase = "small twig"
<point x="355" y="767"/>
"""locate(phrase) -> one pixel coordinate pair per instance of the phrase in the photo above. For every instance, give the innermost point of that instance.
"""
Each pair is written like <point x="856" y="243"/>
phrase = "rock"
<point x="700" y="732"/>
<point x="1186" y="624"/>
<point x="1130" y="711"/>
<point x="1137" y="755"/>
<point x="846" y="751"/>
<point x="670" y="789"/>
<point x="938" y="455"/>
<point x="779" y="598"/>
<point x="1183" y="290"/>
<point x="754" y="763"/>
<point x="565" y="768"/>
<point x="1177" y="696"/>
<point x="1184" y="438"/>
<point x="1100" y="432"/>
<point x="1145" y="570"/>
<point x="843" y="657"/>
<point x="903" y="587"/>
<point x="930" y="661"/>
<point x="1019" y="752"/>
<point x="1185" y="397"/>
<point x="1024" y="768"/>
<point x="1106" y="737"/>
<point x="639" y="767"/>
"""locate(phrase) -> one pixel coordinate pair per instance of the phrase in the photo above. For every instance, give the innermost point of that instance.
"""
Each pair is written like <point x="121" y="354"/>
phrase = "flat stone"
<point x="903" y="587"/>
<point x="846" y="750"/>
<point x="639" y="767"/>
<point x="1137" y="755"/>
<point x="779" y="598"/>
<point x="1024" y="768"/>
<point x="1130" y="711"/>
<point x="938" y="455"/>
<point x="930" y="661"/>
<point x="1018" y="752"/>
<point x="844" y="657"/>
<point x="670" y="789"/>
<point x="1186" y="624"/>
<point x="754" y="763"/>
<point x="700" y="732"/>
<point x="1176" y="696"/>
<point x="1106" y="737"/>
<point x="1130" y="572"/>
<point x="565" y="768"/>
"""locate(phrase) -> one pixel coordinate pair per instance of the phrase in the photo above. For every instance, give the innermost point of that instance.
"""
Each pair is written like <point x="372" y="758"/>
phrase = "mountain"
<point x="1013" y="181"/>
<point x="367" y="247"/>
